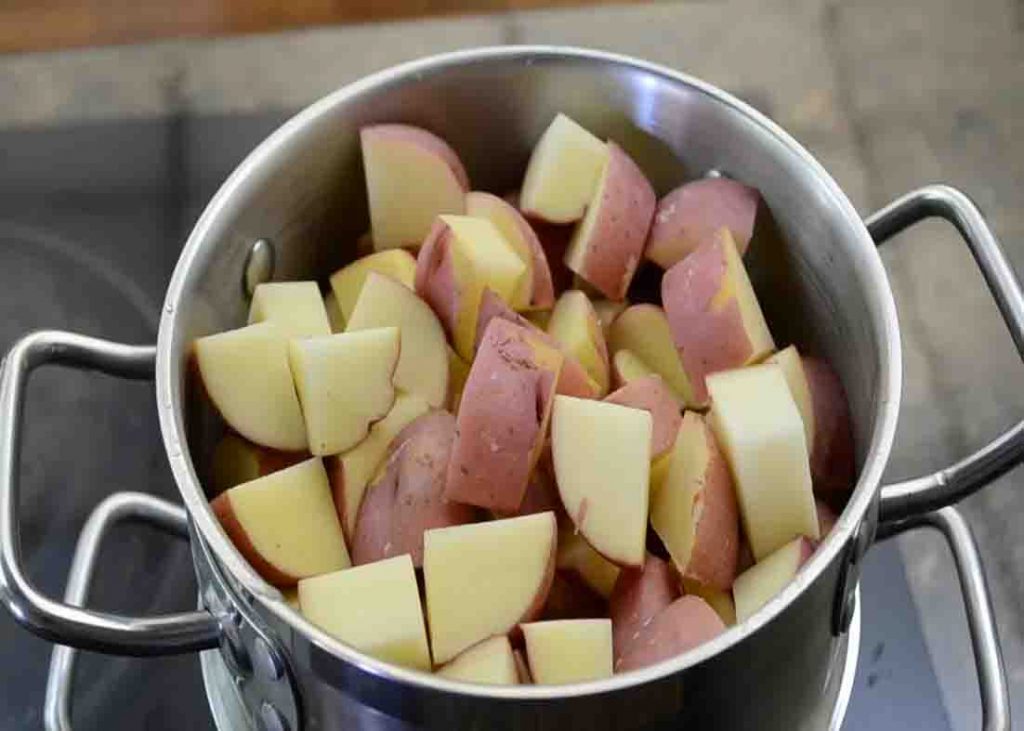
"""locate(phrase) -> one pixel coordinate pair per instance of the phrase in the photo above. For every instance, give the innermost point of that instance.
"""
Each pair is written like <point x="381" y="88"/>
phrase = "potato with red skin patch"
<point x="652" y="395"/>
<point x="638" y="596"/>
<point x="686" y="623"/>
<point x="573" y="379"/>
<point x="406" y="497"/>
<point x="694" y="510"/>
<point x="503" y="419"/>
<point x="826" y="518"/>
<point x="537" y="291"/>
<point x="412" y="176"/>
<point x="541" y="494"/>
<point x="608" y="243"/>
<point x="237" y="460"/>
<point x="689" y="216"/>
<point x="713" y="313"/>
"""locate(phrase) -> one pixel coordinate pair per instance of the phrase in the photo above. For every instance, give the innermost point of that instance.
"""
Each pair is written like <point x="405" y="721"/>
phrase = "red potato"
<point x="689" y="216"/>
<point x="573" y="380"/>
<point x="640" y="595"/>
<point x="574" y="325"/>
<point x="694" y="509"/>
<point x="285" y="524"/>
<point x="537" y="291"/>
<point x="714" y="316"/>
<point x="522" y="668"/>
<point x="237" y="460"/>
<point x="405" y="498"/>
<point x="652" y="395"/>
<point x="720" y="601"/>
<point x="570" y="598"/>
<point x="412" y="176"/>
<point x="759" y="584"/>
<point x="541" y="494"/>
<point x="447" y="280"/>
<point x="608" y="243"/>
<point x="821" y="400"/>
<point x="644" y="331"/>
<point x="826" y="518"/>
<point x="686" y="623"/>
<point x="503" y="418"/>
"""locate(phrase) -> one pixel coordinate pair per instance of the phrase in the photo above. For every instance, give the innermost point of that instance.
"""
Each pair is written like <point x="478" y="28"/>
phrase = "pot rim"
<point x="169" y="367"/>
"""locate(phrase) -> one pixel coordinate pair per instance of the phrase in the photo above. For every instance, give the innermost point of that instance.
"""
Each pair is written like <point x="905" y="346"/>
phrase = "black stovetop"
<point x="92" y="218"/>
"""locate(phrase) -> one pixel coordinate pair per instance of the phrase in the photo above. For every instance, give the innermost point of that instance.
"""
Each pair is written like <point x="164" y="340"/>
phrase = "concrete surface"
<point x="888" y="95"/>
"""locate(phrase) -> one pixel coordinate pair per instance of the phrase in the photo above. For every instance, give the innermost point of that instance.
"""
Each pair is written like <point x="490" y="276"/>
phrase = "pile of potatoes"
<point x="475" y="456"/>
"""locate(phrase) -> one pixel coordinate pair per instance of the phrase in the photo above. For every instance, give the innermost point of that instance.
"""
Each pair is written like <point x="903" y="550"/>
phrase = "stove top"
<point x="92" y="218"/>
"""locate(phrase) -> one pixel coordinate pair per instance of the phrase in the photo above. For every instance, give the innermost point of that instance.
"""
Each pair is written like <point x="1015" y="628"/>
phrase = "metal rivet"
<point x="259" y="266"/>
<point x="271" y="719"/>
<point x="265" y="661"/>
<point x="233" y="649"/>
<point x="714" y="173"/>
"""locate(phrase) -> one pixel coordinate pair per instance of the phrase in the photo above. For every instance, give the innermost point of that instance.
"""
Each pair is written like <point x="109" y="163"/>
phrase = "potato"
<point x="541" y="494"/>
<point x="423" y="357"/>
<point x="484" y="579"/>
<point x="653" y="396"/>
<point x="412" y="176"/>
<point x="562" y="173"/>
<point x="493" y="256"/>
<point x="759" y="429"/>
<point x="607" y="311"/>
<point x="690" y="215"/>
<point x="458" y="372"/>
<point x="334" y="316"/>
<point x="522" y="668"/>
<point x="826" y="518"/>
<point x="694" y="510"/>
<point x="720" y="601"/>
<point x="295" y="307"/>
<point x="374" y="608"/>
<point x="350" y="473"/>
<point x="347" y="282"/>
<point x="575" y="326"/>
<point x="821" y="400"/>
<point x="236" y="460"/>
<point x="503" y="418"/>
<point x="284" y="524"/>
<point x="569" y="650"/>
<point x="686" y="623"/>
<point x="490" y="662"/>
<point x="406" y="497"/>
<point x="576" y="557"/>
<point x="756" y="586"/>
<point x="573" y="379"/>
<point x="601" y="454"/>
<point x="536" y="290"/>
<point x="608" y="243"/>
<point x="714" y="316"/>
<point x="643" y="330"/>
<point x="246" y="377"/>
<point x="345" y="384"/>
<point x="639" y="595"/>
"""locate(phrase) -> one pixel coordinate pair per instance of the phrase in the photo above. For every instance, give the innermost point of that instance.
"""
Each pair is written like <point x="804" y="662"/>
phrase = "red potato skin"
<point x="420" y="138"/>
<point x="716" y="543"/>
<point x="638" y="596"/>
<point x="435" y="279"/>
<point x="625" y="212"/>
<point x="709" y="339"/>
<point x="541" y="494"/>
<point x="502" y="421"/>
<point x="406" y="498"/>
<point x="572" y="380"/>
<point x="687" y="622"/>
<point x="543" y="296"/>
<point x="570" y="598"/>
<point x="225" y="513"/>
<point x="522" y="668"/>
<point x="652" y="395"/>
<point x="832" y="454"/>
<point x="826" y="519"/>
<point x="688" y="217"/>
<point x="745" y="558"/>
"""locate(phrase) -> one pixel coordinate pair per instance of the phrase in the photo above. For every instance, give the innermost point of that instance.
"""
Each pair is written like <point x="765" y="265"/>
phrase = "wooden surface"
<point x="26" y="25"/>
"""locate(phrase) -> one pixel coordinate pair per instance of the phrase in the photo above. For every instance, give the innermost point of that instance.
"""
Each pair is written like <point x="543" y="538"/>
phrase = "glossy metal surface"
<point x="118" y="507"/>
<point x="995" y="701"/>
<point x="954" y="483"/>
<point x="61" y="621"/>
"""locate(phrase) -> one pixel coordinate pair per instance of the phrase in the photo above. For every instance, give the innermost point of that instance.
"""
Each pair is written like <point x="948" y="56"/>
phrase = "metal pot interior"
<point x="818" y="276"/>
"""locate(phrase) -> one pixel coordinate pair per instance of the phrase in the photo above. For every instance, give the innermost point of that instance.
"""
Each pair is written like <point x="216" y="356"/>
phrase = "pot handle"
<point x="995" y="699"/>
<point x="62" y="622"/>
<point x="947" y="486"/>
<point x="116" y="508"/>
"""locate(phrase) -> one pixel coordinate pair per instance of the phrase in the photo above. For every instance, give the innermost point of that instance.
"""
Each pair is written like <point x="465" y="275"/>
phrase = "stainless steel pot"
<point x="286" y="211"/>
